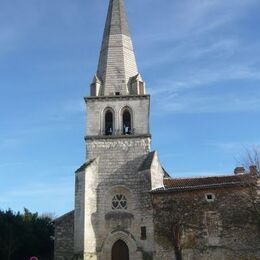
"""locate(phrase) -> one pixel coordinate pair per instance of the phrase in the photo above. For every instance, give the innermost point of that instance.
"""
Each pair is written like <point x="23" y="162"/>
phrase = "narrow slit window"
<point x="143" y="233"/>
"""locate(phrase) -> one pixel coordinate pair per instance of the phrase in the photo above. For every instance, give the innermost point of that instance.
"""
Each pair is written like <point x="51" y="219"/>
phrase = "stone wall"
<point x="64" y="229"/>
<point x="116" y="172"/>
<point x="225" y="228"/>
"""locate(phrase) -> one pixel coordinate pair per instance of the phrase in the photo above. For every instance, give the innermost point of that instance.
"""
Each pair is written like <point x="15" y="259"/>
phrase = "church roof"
<point x="84" y="166"/>
<point x="166" y="174"/>
<point x="187" y="184"/>
<point x="65" y="216"/>
<point x="117" y="63"/>
<point x="146" y="165"/>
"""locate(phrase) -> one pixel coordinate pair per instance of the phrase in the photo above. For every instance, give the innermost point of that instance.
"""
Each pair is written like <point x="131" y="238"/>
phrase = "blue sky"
<point x="201" y="63"/>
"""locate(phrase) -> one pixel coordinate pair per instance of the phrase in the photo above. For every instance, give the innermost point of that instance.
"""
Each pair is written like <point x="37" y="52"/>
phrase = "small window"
<point x="117" y="93"/>
<point x="143" y="233"/>
<point x="119" y="202"/>
<point x="210" y="197"/>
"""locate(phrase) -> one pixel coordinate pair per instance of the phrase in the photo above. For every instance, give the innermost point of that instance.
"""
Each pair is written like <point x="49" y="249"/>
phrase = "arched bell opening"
<point x="109" y="122"/>
<point x="127" y="122"/>
<point x="120" y="250"/>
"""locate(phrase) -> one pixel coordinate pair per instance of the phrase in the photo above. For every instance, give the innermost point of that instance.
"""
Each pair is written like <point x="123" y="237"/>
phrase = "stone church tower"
<point x="126" y="206"/>
<point x="113" y="213"/>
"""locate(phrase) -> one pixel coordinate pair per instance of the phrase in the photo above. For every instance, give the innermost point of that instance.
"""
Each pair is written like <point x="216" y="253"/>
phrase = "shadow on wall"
<point x="118" y="201"/>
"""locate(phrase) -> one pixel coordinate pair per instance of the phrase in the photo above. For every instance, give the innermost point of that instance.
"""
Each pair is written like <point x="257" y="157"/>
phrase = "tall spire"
<point x="116" y="22"/>
<point x="117" y="65"/>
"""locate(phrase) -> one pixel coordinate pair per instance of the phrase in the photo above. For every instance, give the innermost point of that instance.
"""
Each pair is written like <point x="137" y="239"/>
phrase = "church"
<point x="127" y="207"/>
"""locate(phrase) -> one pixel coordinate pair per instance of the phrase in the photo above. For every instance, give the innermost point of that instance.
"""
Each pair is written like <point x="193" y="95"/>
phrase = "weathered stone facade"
<point x="117" y="170"/>
<point x="126" y="205"/>
<point x="224" y="227"/>
<point x="64" y="233"/>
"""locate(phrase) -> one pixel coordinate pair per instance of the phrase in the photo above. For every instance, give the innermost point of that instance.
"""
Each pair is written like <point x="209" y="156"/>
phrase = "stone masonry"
<point x="64" y="230"/>
<point x="225" y="227"/>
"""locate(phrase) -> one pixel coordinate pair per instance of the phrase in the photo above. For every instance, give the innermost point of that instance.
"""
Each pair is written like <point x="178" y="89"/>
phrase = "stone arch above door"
<point x="127" y="238"/>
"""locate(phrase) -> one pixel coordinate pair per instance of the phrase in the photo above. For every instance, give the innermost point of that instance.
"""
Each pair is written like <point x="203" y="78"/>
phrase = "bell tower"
<point x="118" y="107"/>
<point x="112" y="200"/>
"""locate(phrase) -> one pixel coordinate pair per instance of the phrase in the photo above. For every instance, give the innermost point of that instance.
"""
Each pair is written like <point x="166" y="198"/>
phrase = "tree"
<point x="173" y="220"/>
<point x="25" y="235"/>
<point x="251" y="158"/>
<point x="10" y="229"/>
<point x="251" y="164"/>
<point x="177" y="230"/>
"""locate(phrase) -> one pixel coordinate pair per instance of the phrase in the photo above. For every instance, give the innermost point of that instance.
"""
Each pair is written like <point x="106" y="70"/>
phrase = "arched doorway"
<point x="120" y="251"/>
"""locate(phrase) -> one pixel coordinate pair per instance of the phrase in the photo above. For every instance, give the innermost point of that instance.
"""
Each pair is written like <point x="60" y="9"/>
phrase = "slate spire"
<point x="116" y="22"/>
<point x="117" y="63"/>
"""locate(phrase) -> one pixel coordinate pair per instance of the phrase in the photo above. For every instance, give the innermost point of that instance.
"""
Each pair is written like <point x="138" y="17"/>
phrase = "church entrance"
<point x="120" y="251"/>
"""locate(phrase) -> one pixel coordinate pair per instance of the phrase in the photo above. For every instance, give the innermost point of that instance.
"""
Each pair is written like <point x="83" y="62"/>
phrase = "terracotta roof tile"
<point x="205" y="182"/>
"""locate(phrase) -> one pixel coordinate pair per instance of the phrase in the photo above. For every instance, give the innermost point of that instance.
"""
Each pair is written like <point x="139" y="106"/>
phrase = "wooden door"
<point x="120" y="251"/>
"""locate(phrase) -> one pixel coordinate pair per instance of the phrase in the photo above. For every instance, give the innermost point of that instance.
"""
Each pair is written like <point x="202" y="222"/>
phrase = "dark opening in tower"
<point x="108" y="123"/>
<point x="127" y="128"/>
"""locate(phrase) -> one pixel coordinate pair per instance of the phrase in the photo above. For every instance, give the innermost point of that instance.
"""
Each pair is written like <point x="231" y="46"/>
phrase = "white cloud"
<point x="199" y="38"/>
<point x="233" y="146"/>
<point x="194" y="51"/>
<point x="176" y="95"/>
<point x="204" y="77"/>
<point x="189" y="103"/>
<point x="191" y="18"/>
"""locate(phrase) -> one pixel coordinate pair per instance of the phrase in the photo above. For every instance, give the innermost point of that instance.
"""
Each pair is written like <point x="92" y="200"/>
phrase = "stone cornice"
<point x="113" y="137"/>
<point x="106" y="98"/>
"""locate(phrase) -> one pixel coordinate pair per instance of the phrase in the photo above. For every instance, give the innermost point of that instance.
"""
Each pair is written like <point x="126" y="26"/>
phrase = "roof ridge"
<point x="84" y="165"/>
<point x="207" y="177"/>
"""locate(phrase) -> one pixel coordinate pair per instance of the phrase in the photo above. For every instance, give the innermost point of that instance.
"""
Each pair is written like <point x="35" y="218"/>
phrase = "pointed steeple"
<point x="117" y="63"/>
<point x="116" y="22"/>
